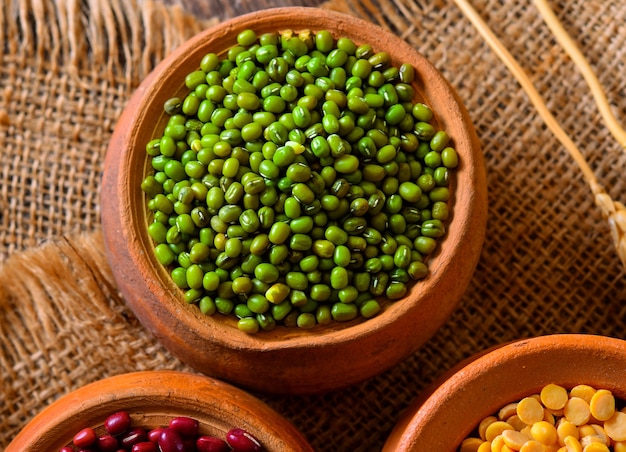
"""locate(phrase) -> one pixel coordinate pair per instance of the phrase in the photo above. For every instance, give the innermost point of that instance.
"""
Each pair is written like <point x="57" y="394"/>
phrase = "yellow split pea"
<point x="583" y="419"/>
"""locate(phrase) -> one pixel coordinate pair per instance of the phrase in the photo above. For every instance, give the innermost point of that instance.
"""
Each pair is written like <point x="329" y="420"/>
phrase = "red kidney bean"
<point x="107" y="443"/>
<point x="117" y="423"/>
<point x="146" y="446"/>
<point x="171" y="441"/>
<point x="185" y="426"/>
<point x="211" y="444"/>
<point x="134" y="436"/>
<point x="66" y="449"/>
<point x="155" y="434"/>
<point x="85" y="438"/>
<point x="242" y="441"/>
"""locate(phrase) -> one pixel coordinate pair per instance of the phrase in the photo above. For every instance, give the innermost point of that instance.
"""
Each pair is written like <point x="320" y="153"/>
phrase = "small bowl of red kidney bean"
<point x="160" y="411"/>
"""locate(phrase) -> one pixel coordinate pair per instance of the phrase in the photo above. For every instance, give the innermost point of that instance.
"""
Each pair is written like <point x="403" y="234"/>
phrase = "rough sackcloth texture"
<point x="67" y="68"/>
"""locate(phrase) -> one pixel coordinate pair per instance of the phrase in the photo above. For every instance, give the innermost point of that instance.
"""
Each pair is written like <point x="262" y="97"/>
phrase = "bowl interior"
<point x="475" y="390"/>
<point x="152" y="399"/>
<point x="152" y="294"/>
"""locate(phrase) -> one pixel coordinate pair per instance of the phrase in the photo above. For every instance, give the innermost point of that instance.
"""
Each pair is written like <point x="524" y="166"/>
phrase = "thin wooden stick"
<point x="613" y="212"/>
<point x="585" y="69"/>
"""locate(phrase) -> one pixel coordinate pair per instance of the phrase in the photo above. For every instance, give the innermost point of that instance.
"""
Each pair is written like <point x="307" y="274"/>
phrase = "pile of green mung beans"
<point x="298" y="182"/>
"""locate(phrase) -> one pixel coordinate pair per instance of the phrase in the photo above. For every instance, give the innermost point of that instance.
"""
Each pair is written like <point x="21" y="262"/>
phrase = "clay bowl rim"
<point x="468" y="386"/>
<point x="142" y="393"/>
<point x="129" y="248"/>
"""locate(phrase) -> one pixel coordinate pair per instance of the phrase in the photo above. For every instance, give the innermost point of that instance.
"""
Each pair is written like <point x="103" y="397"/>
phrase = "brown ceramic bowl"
<point x="152" y="399"/>
<point x="442" y="417"/>
<point x="286" y="360"/>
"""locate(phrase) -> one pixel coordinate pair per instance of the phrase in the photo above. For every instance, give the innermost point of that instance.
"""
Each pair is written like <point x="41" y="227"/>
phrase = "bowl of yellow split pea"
<point x="562" y="393"/>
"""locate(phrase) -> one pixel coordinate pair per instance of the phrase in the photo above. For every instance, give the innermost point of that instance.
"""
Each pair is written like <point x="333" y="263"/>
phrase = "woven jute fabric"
<point x="67" y="68"/>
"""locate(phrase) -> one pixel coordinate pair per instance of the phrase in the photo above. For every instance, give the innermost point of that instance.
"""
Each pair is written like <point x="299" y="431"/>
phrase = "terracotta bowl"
<point x="286" y="360"/>
<point x="152" y="399"/>
<point x="443" y="416"/>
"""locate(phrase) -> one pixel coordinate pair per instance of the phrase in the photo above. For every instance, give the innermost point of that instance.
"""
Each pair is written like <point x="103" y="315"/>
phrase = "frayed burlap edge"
<point x="116" y="40"/>
<point x="57" y="57"/>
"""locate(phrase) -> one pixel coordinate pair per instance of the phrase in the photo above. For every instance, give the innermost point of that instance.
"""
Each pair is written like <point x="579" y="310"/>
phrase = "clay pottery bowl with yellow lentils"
<point x="560" y="368"/>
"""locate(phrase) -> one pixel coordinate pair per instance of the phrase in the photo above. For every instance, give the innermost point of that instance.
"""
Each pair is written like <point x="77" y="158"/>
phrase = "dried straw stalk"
<point x="585" y="69"/>
<point x="614" y="212"/>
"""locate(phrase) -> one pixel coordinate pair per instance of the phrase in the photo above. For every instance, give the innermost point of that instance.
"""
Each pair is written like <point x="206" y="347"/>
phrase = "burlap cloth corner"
<point x="548" y="265"/>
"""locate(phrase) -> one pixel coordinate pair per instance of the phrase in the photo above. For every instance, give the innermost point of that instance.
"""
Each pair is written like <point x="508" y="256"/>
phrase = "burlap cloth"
<point x="548" y="265"/>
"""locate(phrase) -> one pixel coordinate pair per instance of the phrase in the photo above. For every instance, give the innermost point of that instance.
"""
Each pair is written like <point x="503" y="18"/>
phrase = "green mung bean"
<point x="343" y="312"/>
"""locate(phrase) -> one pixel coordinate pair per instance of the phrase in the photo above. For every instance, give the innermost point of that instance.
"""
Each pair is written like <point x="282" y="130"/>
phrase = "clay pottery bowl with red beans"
<point x="287" y="360"/>
<point x="152" y="399"/>
<point x="452" y="408"/>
